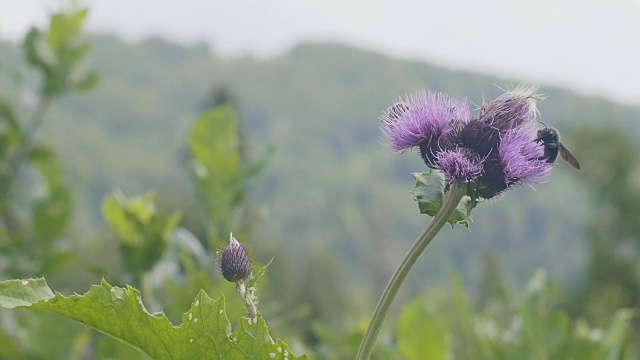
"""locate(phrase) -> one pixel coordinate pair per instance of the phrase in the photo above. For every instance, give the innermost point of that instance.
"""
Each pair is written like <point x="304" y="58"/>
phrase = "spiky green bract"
<point x="205" y="332"/>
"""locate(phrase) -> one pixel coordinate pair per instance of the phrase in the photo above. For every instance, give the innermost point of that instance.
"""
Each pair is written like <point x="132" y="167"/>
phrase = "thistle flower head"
<point x="420" y="121"/>
<point x="234" y="261"/>
<point x="458" y="166"/>
<point x="521" y="158"/>
<point x="483" y="138"/>
<point x="511" y="110"/>
<point x="519" y="161"/>
<point x="492" y="151"/>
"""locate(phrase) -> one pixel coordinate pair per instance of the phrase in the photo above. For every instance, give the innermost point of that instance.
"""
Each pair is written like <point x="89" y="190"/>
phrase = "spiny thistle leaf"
<point x="429" y="191"/>
<point x="205" y="332"/>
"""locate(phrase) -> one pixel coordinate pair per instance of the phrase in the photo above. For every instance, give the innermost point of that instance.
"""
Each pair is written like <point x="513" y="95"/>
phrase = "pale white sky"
<point x="589" y="46"/>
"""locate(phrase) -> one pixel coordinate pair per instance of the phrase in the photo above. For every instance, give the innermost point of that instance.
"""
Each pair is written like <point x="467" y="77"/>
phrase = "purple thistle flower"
<point x="512" y="109"/>
<point x="420" y="121"/>
<point x="521" y="158"/>
<point x="518" y="161"/>
<point x="492" y="182"/>
<point x="482" y="138"/>
<point x="234" y="261"/>
<point x="493" y="151"/>
<point x="458" y="167"/>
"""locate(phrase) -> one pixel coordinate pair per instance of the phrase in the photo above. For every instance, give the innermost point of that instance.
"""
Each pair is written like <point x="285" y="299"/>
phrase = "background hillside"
<point x="318" y="104"/>
<point x="335" y="204"/>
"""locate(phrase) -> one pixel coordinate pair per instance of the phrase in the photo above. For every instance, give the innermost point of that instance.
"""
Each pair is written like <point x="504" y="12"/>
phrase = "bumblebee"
<point x="550" y="139"/>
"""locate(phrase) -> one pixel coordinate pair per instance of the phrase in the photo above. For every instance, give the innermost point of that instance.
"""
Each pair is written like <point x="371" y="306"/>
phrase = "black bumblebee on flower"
<point x="550" y="139"/>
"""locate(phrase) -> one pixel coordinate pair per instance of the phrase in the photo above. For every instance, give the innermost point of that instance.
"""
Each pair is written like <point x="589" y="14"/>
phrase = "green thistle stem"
<point x="247" y="299"/>
<point x="449" y="204"/>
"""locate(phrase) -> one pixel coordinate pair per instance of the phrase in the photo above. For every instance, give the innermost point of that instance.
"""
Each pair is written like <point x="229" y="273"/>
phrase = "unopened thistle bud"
<point x="234" y="261"/>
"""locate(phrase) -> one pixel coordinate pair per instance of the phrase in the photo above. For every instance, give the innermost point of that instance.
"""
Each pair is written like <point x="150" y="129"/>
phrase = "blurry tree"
<point x="220" y="95"/>
<point x="35" y="200"/>
<point x="612" y="176"/>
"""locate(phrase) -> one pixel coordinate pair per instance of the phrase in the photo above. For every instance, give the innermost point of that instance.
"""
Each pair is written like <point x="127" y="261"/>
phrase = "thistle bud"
<point x="234" y="261"/>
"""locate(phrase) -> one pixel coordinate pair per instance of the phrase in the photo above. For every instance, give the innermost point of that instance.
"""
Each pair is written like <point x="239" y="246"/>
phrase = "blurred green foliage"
<point x="59" y="54"/>
<point x="612" y="276"/>
<point x="144" y="232"/>
<point x="339" y="213"/>
<point x="35" y="199"/>
<point x="35" y="196"/>
<point x="526" y="326"/>
<point x="221" y="172"/>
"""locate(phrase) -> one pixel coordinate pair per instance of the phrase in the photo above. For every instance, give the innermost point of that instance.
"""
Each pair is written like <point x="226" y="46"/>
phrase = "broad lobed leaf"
<point x="118" y="312"/>
<point x="429" y="191"/>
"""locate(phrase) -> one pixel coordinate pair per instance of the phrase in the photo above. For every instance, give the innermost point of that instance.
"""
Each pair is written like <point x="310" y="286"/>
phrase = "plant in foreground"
<point x="205" y="331"/>
<point x="480" y="157"/>
<point x="235" y="266"/>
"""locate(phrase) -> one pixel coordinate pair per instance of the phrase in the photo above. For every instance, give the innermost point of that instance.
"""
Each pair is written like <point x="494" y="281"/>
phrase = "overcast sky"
<point x="589" y="46"/>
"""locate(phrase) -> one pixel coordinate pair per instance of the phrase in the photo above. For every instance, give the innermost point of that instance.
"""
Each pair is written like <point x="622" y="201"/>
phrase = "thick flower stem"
<point x="449" y="204"/>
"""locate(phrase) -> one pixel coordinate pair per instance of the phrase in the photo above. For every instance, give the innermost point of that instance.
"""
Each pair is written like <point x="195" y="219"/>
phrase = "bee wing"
<point x="568" y="157"/>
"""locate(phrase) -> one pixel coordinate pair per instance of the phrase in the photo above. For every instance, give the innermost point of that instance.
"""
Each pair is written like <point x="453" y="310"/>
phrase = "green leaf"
<point x="155" y="237"/>
<point x="533" y="310"/>
<point x="429" y="191"/>
<point x="10" y="131"/>
<point x="254" y="168"/>
<point x="57" y="259"/>
<point x="51" y="214"/>
<point x="87" y="82"/>
<point x="64" y="27"/>
<point x="6" y="112"/>
<point x="617" y="332"/>
<point x="14" y="293"/>
<point x="9" y="348"/>
<point x="44" y="160"/>
<point x="214" y="144"/>
<point x="421" y="332"/>
<point x="144" y="231"/>
<point x="205" y="332"/>
<point x="114" y="213"/>
<point x="253" y="281"/>
<point x="37" y="51"/>
<point x="467" y="319"/>
<point x="59" y="53"/>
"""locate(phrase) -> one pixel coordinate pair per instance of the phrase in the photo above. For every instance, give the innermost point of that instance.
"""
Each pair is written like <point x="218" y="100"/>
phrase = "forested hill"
<point x="331" y="188"/>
